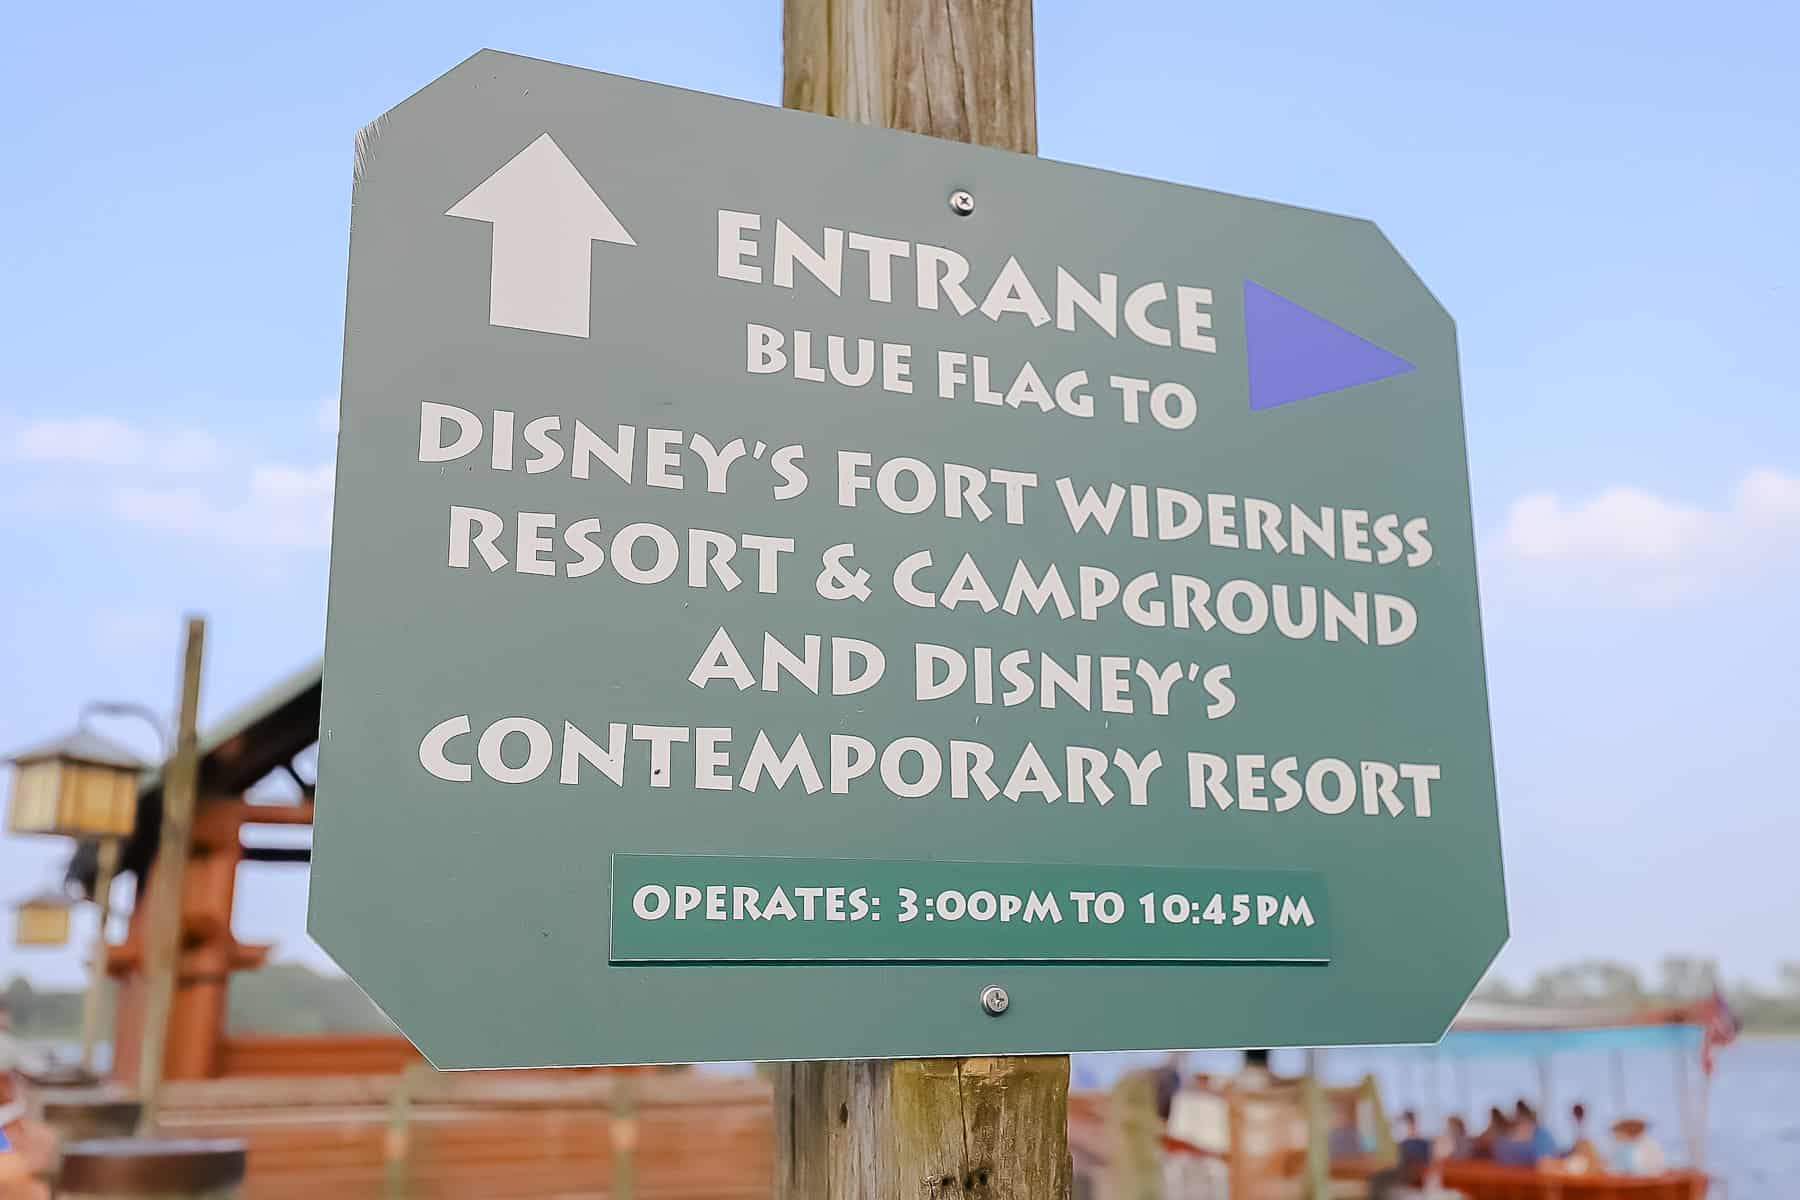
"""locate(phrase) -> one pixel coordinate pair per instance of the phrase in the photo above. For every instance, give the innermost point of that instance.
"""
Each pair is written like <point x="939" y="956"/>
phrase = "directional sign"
<point x="789" y="576"/>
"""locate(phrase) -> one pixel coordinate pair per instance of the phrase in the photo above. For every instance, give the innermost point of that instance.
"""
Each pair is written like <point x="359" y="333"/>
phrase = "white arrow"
<point x="544" y="216"/>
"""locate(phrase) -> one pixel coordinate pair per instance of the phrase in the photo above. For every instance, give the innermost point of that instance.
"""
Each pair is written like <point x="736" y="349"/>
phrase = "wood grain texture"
<point x="923" y="1129"/>
<point x="920" y="1129"/>
<point x="958" y="69"/>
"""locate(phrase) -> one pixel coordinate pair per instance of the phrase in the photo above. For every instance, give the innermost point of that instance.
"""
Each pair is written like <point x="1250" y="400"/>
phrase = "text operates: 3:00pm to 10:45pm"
<point x="840" y="903"/>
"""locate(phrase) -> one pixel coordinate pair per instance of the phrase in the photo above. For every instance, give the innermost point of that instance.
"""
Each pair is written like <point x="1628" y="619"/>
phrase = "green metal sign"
<point x="789" y="578"/>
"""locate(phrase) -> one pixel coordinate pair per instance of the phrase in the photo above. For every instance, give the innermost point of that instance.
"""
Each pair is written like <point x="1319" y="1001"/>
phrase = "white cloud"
<point x="1625" y="545"/>
<point x="112" y="442"/>
<point x="181" y="482"/>
<point x="1770" y="498"/>
<point x="280" y="507"/>
<point x="1619" y="523"/>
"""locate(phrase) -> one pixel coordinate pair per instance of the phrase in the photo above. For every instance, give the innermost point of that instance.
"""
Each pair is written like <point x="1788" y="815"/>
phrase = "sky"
<point x="1602" y="195"/>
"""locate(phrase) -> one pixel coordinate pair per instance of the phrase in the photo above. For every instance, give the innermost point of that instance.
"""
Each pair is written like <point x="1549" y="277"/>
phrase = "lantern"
<point x="43" y="920"/>
<point x="80" y="785"/>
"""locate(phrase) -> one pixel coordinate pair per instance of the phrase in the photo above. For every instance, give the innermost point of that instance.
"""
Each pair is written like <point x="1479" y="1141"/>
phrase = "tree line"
<point x="1677" y="979"/>
<point x="290" y="998"/>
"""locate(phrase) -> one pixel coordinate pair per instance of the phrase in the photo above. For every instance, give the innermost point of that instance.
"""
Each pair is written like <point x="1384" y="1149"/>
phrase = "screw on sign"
<point x="773" y="606"/>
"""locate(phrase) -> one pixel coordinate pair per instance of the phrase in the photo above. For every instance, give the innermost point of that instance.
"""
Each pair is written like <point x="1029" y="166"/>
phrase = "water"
<point x="1752" y="1137"/>
<point x="1752" y="1127"/>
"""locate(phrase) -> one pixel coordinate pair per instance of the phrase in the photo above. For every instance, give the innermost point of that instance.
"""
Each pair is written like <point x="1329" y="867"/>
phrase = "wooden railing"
<point x="422" y="1135"/>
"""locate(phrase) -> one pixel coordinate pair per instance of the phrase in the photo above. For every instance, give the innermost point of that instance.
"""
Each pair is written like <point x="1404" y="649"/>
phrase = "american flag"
<point x="1718" y="1030"/>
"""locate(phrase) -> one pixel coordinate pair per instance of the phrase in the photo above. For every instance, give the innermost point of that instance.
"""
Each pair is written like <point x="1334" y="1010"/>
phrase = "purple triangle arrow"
<point x="1295" y="353"/>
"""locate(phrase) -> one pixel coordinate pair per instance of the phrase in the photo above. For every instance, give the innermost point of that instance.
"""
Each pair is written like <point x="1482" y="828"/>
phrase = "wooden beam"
<point x="972" y="1128"/>
<point x="242" y="812"/>
<point x="957" y="69"/>
<point x="106" y="866"/>
<point x="162" y="936"/>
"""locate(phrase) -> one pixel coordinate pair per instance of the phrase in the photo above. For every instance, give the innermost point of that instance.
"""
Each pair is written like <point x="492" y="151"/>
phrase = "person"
<point x="1414" y="1150"/>
<point x="1455" y="1141"/>
<point x="1413" y="1166"/>
<point x="1526" y="1142"/>
<point x="1497" y="1131"/>
<point x="1543" y="1142"/>
<point x="1168" y="1082"/>
<point x="1582" y="1157"/>
<point x="27" y="1146"/>
<point x="1637" y="1153"/>
<point x="1345" y="1139"/>
<point x="1255" y="1074"/>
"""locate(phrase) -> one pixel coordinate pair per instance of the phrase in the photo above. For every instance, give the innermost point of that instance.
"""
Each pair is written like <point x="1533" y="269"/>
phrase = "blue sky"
<point x="1602" y="194"/>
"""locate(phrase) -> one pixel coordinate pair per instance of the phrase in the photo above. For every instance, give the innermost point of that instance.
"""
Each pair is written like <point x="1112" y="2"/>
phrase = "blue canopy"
<point x="1535" y="1042"/>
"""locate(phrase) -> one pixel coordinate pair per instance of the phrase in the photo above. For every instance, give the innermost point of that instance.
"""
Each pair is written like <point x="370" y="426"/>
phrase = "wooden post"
<point x="924" y="1128"/>
<point x="623" y="1112"/>
<point x="994" y="1128"/>
<point x="396" y="1145"/>
<point x="105" y="867"/>
<point x="162" y="933"/>
<point x="1318" y="1132"/>
<point x="1369" y="1092"/>
<point x="1694" y="1141"/>
<point x="1136" y="1167"/>
<point x="1545" y="1092"/>
<point x="1237" y="1161"/>
<point x="957" y="69"/>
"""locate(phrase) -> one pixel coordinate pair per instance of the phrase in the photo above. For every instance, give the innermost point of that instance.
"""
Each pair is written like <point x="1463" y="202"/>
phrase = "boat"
<point x="1260" y="1136"/>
